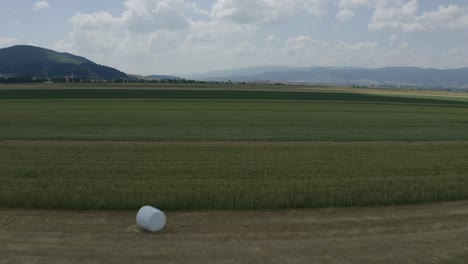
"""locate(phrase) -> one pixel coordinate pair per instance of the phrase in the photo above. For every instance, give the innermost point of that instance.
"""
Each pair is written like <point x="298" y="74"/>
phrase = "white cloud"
<point x="403" y="15"/>
<point x="266" y="11"/>
<point x="176" y="36"/>
<point x="101" y="32"/>
<point x="458" y="56"/>
<point x="411" y="7"/>
<point x="452" y="16"/>
<point x="173" y="31"/>
<point x="252" y="11"/>
<point x="317" y="8"/>
<point x="245" y="49"/>
<point x="7" y="42"/>
<point x="302" y="46"/>
<point x="113" y="40"/>
<point x="391" y="14"/>
<point x="271" y="38"/>
<point x="41" y="5"/>
<point x="305" y="51"/>
<point x="353" y="4"/>
<point x="345" y="14"/>
<point x="16" y="23"/>
<point x="349" y="6"/>
<point x="94" y="21"/>
<point x="216" y="32"/>
<point x="94" y="32"/>
<point x="298" y="44"/>
<point x="363" y="46"/>
<point x="143" y="16"/>
<point x="392" y="40"/>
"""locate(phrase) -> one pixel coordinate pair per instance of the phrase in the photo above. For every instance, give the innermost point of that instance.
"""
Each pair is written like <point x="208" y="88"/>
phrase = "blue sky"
<point x="178" y="37"/>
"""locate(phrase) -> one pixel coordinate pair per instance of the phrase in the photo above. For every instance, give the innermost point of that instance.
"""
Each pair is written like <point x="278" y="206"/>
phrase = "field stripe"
<point x="215" y="94"/>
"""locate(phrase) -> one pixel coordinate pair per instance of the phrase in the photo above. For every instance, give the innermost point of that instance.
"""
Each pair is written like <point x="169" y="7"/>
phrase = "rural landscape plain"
<point x="218" y="147"/>
<point x="234" y="131"/>
<point x="195" y="149"/>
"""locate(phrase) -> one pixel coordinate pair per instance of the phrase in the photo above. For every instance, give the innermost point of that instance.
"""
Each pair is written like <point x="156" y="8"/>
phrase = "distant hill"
<point x="162" y="77"/>
<point x="388" y="76"/>
<point x="138" y="77"/>
<point x="242" y="72"/>
<point x="38" y="62"/>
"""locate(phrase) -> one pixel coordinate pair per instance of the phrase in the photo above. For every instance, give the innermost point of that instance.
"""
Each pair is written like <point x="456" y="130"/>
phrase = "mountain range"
<point x="30" y="61"/>
<point x="388" y="76"/>
<point x="38" y="62"/>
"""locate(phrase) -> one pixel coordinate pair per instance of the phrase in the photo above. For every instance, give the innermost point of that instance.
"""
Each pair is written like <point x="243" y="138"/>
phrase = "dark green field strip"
<point x="213" y="94"/>
<point x="192" y="120"/>
<point x="161" y="86"/>
<point x="95" y="175"/>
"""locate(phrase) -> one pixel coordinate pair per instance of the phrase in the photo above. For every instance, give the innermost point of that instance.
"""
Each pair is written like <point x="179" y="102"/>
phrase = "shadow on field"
<point x="212" y="94"/>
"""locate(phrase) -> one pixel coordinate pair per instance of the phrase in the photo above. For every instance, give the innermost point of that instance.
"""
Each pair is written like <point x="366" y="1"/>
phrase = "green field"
<point x="218" y="147"/>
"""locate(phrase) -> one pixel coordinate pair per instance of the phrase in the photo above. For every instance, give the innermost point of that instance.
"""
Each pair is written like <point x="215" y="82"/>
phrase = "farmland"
<point x="85" y="175"/>
<point x="422" y="233"/>
<point x="290" y="157"/>
<point x="229" y="147"/>
<point x="206" y="115"/>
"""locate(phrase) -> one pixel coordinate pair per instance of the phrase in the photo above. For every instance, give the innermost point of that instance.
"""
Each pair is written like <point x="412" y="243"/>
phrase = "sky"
<point x="181" y="37"/>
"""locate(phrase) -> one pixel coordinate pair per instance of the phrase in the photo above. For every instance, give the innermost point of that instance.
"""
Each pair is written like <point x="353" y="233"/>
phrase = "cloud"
<point x="317" y="8"/>
<point x="216" y="33"/>
<point x="143" y="16"/>
<point x="458" y="55"/>
<point x="177" y="36"/>
<point x="252" y="11"/>
<point x="306" y="51"/>
<point x="271" y="39"/>
<point x="147" y="31"/>
<point x="144" y="25"/>
<point x="347" y="7"/>
<point x="94" y="21"/>
<point x="398" y="15"/>
<point x="7" y="42"/>
<point x="410" y="8"/>
<point x="354" y="4"/>
<point x="245" y="49"/>
<point x="266" y="11"/>
<point x="94" y="32"/>
<point x="41" y="5"/>
<point x="302" y="46"/>
<point x="392" y="40"/>
<point x="149" y="26"/>
<point x="345" y="14"/>
<point x="452" y="16"/>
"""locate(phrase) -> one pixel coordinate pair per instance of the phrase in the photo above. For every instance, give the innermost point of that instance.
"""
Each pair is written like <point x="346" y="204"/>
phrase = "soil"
<point x="427" y="233"/>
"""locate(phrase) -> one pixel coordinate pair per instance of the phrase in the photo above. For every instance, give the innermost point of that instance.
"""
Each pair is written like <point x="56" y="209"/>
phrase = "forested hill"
<point x="38" y="62"/>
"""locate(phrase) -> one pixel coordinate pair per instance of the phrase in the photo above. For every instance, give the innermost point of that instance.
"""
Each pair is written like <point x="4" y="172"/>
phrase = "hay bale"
<point x="151" y="219"/>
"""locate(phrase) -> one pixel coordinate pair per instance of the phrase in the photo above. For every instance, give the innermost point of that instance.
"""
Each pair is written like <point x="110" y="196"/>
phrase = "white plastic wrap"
<point x="151" y="219"/>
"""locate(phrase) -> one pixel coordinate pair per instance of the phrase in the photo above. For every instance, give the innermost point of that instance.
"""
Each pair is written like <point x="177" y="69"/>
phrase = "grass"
<point x="221" y="120"/>
<point x="230" y="175"/>
<point x="189" y="147"/>
<point x="425" y="233"/>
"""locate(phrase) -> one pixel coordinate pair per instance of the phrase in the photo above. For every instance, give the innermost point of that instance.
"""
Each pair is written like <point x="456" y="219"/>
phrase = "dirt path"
<point x="431" y="233"/>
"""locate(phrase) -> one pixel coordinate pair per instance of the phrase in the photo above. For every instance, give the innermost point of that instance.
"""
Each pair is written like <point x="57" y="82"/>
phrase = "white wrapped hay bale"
<point x="151" y="219"/>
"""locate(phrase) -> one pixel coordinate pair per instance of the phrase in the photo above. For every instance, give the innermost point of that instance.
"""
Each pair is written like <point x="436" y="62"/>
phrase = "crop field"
<point x="86" y="175"/>
<point x="225" y="147"/>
